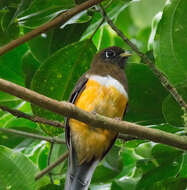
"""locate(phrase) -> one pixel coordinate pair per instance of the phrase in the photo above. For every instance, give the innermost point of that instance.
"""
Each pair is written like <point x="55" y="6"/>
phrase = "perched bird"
<point x="103" y="90"/>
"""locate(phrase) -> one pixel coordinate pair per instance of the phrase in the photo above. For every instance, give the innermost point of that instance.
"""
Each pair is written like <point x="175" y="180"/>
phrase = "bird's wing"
<point x="78" y="176"/>
<point x="79" y="87"/>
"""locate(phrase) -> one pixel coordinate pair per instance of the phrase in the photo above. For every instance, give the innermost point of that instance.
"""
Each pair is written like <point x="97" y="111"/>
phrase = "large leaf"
<point x="46" y="44"/>
<point x="161" y="167"/>
<point x="29" y="66"/>
<point x="17" y="171"/>
<point x="171" y="42"/>
<point x="12" y="140"/>
<point x="172" y="111"/>
<point x="57" y="76"/>
<point x="110" y="167"/>
<point x="183" y="172"/>
<point x="143" y="11"/>
<point x="9" y="29"/>
<point x="145" y="95"/>
<point x="42" y="11"/>
<point x="113" y="9"/>
<point x="10" y="65"/>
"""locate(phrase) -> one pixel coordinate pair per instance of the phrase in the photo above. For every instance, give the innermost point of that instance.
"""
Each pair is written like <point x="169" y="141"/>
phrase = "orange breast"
<point x="92" y="142"/>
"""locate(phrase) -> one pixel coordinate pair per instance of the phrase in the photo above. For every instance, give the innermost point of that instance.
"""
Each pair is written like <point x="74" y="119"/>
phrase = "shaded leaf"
<point x="57" y="76"/>
<point x="183" y="171"/>
<point x="29" y="66"/>
<point x="171" y="42"/>
<point x="168" y="170"/>
<point x="110" y="167"/>
<point x="14" y="166"/>
<point x="145" y="103"/>
<point x="143" y="11"/>
<point x="10" y="65"/>
<point x="47" y="43"/>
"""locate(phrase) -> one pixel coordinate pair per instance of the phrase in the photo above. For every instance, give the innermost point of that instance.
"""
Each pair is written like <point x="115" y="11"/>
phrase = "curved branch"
<point x="70" y="110"/>
<point x="61" y="19"/>
<point x="164" y="81"/>
<point x="33" y="118"/>
<point x="53" y="165"/>
<point x="53" y="123"/>
<point x="33" y="136"/>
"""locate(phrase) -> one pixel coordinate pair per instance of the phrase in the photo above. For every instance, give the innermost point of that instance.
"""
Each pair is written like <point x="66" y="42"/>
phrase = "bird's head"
<point x="111" y="56"/>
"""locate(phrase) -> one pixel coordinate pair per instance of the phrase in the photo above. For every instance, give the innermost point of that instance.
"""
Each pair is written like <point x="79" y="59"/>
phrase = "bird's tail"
<point x="78" y="177"/>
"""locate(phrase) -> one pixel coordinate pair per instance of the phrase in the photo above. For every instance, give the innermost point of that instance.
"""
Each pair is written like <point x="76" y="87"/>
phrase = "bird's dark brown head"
<point x="111" y="56"/>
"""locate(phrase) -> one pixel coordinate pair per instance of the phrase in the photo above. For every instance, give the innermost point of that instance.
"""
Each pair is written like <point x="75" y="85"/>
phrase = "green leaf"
<point x="171" y="42"/>
<point x="42" y="11"/>
<point x="113" y="9"/>
<point x="160" y="151"/>
<point x="11" y="140"/>
<point x="167" y="127"/>
<point x="51" y="187"/>
<point x="127" y="184"/>
<point x="57" y="76"/>
<point x="47" y="43"/>
<point x="166" y="171"/>
<point x="183" y="171"/>
<point x="129" y="159"/>
<point x="23" y="6"/>
<point x="144" y="150"/>
<point x="18" y="171"/>
<point x="10" y="65"/>
<point x="58" y="150"/>
<point x="29" y="66"/>
<point x="110" y="167"/>
<point x="171" y="184"/>
<point x="172" y="111"/>
<point x="145" y="103"/>
<point x="143" y="11"/>
<point x="10" y="34"/>
<point x="7" y="119"/>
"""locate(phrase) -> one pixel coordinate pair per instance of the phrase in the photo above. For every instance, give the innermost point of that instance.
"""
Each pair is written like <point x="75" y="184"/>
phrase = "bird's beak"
<point x="125" y="54"/>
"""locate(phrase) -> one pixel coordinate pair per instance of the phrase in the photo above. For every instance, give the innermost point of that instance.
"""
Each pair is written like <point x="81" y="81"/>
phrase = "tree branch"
<point x="33" y="118"/>
<point x="164" y="81"/>
<point x="32" y="135"/>
<point x="70" y="110"/>
<point x="61" y="19"/>
<point x="57" y="124"/>
<point x="53" y="165"/>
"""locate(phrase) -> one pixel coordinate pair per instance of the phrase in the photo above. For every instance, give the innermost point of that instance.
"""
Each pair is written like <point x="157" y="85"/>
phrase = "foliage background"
<point x="51" y="64"/>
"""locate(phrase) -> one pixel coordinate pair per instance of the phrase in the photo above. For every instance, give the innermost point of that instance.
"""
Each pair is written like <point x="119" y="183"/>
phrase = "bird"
<point x="103" y="89"/>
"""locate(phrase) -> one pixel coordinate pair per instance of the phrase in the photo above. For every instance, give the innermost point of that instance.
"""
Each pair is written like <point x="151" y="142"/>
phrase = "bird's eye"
<point x="110" y="54"/>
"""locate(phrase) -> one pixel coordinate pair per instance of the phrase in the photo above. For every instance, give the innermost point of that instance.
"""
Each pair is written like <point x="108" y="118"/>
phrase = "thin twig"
<point x="69" y="110"/>
<point x="53" y="165"/>
<point x="48" y="162"/>
<point x="38" y="119"/>
<point x="33" y="118"/>
<point x="32" y="135"/>
<point x="164" y="81"/>
<point x="61" y="19"/>
<point x="99" y="25"/>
